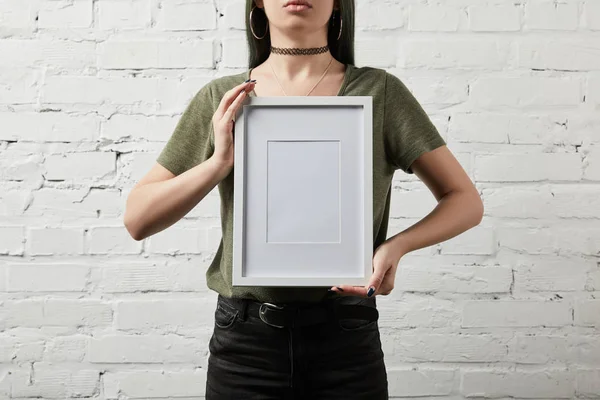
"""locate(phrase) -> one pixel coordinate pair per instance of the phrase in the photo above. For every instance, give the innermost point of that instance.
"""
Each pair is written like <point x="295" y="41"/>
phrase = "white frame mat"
<point x="303" y="197"/>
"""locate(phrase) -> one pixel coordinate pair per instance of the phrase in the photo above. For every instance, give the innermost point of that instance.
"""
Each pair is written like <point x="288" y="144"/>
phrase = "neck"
<point x="298" y="67"/>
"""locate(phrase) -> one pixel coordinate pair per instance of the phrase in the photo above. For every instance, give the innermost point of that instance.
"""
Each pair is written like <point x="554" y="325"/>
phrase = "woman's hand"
<point x="385" y="264"/>
<point x="223" y="121"/>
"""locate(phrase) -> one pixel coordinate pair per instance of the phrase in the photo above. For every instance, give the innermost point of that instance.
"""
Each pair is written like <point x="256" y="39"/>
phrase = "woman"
<point x="307" y="342"/>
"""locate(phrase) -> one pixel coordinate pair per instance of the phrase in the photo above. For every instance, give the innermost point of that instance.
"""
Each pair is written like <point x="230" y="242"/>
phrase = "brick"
<point x="235" y="53"/>
<point x="421" y="382"/>
<point x="55" y="312"/>
<point x="562" y="54"/>
<point x="490" y="54"/>
<point x="454" y="279"/>
<point x="66" y="89"/>
<point x="587" y="313"/>
<point x="528" y="167"/>
<point x="550" y="240"/>
<point x="155" y="54"/>
<point x="60" y="14"/>
<point x="418" y="311"/>
<point x="60" y="54"/>
<point x="379" y="16"/>
<point x="591" y="15"/>
<point x="48" y="127"/>
<point x="89" y="165"/>
<point x="446" y="348"/>
<point x="124" y="15"/>
<point x="52" y="241"/>
<point x="561" y="201"/>
<point x="551" y="16"/>
<point x="184" y="276"/>
<point x="178" y="240"/>
<point x="477" y="240"/>
<point x="592" y="93"/>
<point x="147" y="384"/>
<point x="176" y="15"/>
<point x="591" y="167"/>
<point x="376" y="52"/>
<point x="162" y="315"/>
<point x="112" y="240"/>
<point x="234" y="15"/>
<point x="47" y="278"/>
<point x="12" y="240"/>
<point x="548" y="383"/>
<point x="446" y="91"/>
<point x="146" y="349"/>
<point x="121" y="127"/>
<point x="19" y="350"/>
<point x="434" y="18"/>
<point x="19" y="85"/>
<point x="65" y="349"/>
<point x="516" y="313"/>
<point x="495" y="18"/>
<point x="552" y="275"/>
<point x="17" y="17"/>
<point x="588" y="383"/>
<point x="525" y="92"/>
<point x="406" y="203"/>
<point x="82" y="203"/>
<point x="53" y="382"/>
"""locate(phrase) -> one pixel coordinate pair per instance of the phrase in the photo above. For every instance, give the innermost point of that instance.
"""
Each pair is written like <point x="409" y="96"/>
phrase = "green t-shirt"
<point x="402" y="131"/>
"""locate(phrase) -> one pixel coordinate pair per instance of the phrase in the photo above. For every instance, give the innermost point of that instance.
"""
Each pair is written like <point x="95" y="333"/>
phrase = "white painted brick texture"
<point x="90" y="91"/>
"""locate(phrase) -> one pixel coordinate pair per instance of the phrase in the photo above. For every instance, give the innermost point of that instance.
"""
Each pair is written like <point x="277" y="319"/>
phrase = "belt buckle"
<point x="263" y="310"/>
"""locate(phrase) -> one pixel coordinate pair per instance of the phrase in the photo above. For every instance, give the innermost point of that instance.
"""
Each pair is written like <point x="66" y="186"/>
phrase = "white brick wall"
<point x="90" y="91"/>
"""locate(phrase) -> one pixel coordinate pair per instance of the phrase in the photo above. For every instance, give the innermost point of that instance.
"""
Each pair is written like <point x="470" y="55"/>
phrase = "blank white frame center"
<point x="303" y="191"/>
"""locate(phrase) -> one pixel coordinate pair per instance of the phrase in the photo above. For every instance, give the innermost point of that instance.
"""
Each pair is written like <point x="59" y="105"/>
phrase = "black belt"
<point x="289" y="315"/>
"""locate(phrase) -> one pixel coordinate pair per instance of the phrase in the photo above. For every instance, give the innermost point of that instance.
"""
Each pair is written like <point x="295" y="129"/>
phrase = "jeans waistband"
<point x="243" y="304"/>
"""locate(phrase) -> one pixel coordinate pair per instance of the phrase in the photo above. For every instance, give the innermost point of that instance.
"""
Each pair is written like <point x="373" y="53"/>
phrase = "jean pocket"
<point x="225" y="316"/>
<point x="347" y="324"/>
<point x="356" y="324"/>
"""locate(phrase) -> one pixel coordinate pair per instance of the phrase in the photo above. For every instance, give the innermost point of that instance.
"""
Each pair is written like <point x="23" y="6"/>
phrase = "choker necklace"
<point x="315" y="85"/>
<point x="299" y="51"/>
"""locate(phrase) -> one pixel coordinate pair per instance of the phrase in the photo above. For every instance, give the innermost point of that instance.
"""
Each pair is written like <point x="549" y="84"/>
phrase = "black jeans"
<point x="338" y="359"/>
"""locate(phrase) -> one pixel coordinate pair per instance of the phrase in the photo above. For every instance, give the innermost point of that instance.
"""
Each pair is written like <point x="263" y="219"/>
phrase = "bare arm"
<point x="160" y="199"/>
<point x="459" y="207"/>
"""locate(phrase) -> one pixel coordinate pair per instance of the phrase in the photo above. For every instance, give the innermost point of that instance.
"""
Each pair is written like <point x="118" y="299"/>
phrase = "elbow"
<point x="133" y="228"/>
<point x="478" y="209"/>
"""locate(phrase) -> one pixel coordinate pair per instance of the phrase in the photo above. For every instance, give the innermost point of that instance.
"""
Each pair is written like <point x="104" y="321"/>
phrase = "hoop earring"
<point x="252" y="28"/>
<point x="341" y="24"/>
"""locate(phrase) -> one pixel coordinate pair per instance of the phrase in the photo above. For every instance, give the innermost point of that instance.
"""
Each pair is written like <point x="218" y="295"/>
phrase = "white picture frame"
<point x="303" y="196"/>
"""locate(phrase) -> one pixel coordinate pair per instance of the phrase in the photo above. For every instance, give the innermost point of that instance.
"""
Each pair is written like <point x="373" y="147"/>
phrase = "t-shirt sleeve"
<point x="408" y="131"/>
<point x="192" y="141"/>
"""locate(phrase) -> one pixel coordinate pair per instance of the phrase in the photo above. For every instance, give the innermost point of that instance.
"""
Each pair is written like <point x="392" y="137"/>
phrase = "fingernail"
<point x="339" y="288"/>
<point x="253" y="80"/>
<point x="247" y="80"/>
<point x="330" y="290"/>
<point x="371" y="291"/>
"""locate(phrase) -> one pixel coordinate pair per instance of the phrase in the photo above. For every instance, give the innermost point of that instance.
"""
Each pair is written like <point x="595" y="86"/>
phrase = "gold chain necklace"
<point x="315" y="85"/>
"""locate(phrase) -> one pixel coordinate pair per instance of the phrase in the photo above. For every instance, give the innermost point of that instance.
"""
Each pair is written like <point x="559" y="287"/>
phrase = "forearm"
<point x="154" y="207"/>
<point x="455" y="213"/>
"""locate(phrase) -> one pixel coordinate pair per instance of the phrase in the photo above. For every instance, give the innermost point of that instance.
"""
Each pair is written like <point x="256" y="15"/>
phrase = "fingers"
<point x="348" y="290"/>
<point x="230" y="96"/>
<point x="373" y="287"/>
<point x="375" y="281"/>
<point x="231" y="111"/>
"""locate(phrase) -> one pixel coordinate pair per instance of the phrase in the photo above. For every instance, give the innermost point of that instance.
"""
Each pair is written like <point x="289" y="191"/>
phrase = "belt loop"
<point x="243" y="310"/>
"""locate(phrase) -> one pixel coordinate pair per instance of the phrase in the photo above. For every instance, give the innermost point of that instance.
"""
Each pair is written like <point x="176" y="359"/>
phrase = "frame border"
<point x="240" y="183"/>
